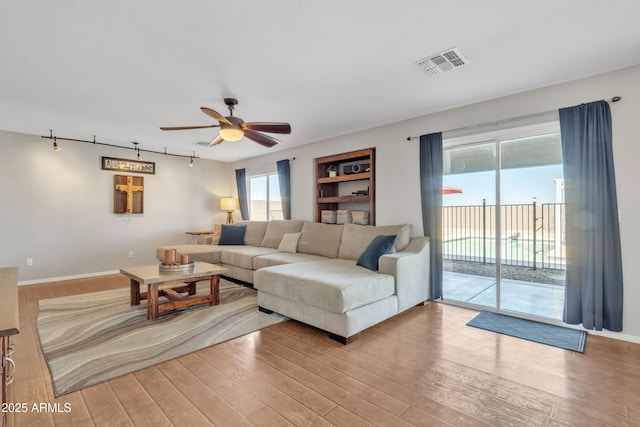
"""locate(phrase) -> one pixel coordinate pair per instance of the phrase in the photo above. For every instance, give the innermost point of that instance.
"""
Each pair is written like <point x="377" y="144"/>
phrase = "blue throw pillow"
<point x="380" y="245"/>
<point x="232" y="234"/>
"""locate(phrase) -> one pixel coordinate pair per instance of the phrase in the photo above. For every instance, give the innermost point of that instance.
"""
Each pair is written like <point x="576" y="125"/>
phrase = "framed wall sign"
<point x="124" y="165"/>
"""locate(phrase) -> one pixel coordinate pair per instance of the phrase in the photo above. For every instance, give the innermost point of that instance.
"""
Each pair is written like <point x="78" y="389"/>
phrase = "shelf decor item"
<point x="343" y="216"/>
<point x="332" y="170"/>
<point x="360" y="217"/>
<point x="329" y="217"/>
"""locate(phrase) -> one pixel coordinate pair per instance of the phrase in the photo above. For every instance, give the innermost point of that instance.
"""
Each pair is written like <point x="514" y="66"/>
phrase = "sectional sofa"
<point x="325" y="275"/>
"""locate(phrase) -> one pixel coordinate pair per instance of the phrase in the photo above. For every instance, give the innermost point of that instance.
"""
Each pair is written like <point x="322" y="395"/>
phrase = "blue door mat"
<point x="542" y="333"/>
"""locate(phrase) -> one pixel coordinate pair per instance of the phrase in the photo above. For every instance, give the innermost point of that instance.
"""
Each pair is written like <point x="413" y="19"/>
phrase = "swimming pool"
<point x="514" y="251"/>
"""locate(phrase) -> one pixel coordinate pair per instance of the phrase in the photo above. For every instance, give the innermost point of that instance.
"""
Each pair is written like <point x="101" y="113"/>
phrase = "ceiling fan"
<point x="234" y="128"/>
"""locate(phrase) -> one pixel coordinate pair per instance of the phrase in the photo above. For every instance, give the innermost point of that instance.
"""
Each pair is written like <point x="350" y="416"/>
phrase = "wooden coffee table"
<point x="178" y="296"/>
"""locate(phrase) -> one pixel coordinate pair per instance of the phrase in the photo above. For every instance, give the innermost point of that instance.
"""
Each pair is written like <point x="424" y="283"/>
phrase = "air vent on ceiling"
<point x="439" y="63"/>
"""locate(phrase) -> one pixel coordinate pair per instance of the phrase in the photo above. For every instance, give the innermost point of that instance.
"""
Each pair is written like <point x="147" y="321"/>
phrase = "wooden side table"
<point x="195" y="234"/>
<point x="8" y="326"/>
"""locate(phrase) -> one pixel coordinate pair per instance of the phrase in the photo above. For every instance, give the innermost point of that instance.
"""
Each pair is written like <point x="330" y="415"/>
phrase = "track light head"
<point x="137" y="149"/>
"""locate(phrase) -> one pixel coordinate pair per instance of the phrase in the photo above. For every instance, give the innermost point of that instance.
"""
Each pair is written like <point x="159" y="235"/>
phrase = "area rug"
<point x="543" y="333"/>
<point x="90" y="338"/>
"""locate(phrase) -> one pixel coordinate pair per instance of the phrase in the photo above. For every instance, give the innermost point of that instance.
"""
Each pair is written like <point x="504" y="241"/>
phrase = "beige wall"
<point x="57" y="207"/>
<point x="397" y="169"/>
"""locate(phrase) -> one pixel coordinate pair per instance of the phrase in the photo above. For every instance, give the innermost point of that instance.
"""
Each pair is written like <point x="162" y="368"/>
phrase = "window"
<point x="264" y="197"/>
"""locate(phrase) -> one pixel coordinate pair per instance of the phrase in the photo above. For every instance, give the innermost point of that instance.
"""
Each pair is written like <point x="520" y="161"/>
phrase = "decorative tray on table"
<point x="190" y="266"/>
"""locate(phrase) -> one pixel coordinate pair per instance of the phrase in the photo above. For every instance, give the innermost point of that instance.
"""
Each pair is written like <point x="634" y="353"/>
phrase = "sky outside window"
<point x="530" y="168"/>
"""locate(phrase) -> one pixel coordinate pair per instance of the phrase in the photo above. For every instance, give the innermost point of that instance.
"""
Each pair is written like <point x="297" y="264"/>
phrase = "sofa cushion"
<point x="280" y="258"/>
<point x="276" y="229"/>
<point x="289" y="243"/>
<point x="335" y="285"/>
<point x="380" y="245"/>
<point x="356" y="238"/>
<point x="232" y="235"/>
<point x="255" y="232"/>
<point x="242" y="256"/>
<point x="320" y="239"/>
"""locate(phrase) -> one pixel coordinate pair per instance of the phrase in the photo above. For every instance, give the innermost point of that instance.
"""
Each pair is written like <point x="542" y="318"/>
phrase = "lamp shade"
<point x="228" y="204"/>
<point x="231" y="134"/>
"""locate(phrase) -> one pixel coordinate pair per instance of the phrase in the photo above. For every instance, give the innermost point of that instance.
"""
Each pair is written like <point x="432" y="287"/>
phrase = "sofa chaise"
<point x="315" y="273"/>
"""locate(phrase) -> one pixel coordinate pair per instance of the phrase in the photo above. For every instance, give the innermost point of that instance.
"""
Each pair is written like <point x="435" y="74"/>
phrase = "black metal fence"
<point x="531" y="235"/>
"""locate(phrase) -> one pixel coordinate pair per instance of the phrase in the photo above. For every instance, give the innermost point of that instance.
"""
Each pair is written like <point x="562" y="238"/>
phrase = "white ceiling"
<point x="120" y="69"/>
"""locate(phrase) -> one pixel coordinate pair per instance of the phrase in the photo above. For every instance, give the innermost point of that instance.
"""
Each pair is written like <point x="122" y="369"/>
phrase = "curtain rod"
<point x="511" y="119"/>
<point x="135" y="145"/>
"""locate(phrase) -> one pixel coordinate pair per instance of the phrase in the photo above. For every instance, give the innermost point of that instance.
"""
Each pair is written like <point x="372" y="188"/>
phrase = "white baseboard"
<point x="616" y="336"/>
<point x="59" y="279"/>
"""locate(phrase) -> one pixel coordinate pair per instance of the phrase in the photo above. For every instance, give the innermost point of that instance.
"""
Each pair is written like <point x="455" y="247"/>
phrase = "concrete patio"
<point x="536" y="299"/>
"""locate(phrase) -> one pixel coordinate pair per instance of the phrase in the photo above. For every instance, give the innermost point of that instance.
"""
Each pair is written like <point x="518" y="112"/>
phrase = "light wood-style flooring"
<point x="421" y="368"/>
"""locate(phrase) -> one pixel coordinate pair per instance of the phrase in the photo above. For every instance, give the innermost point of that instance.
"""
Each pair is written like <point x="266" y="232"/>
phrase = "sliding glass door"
<point x="503" y="225"/>
<point x="469" y="218"/>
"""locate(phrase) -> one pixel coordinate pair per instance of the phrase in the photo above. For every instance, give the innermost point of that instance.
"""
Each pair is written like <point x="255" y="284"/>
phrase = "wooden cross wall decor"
<point x="128" y="196"/>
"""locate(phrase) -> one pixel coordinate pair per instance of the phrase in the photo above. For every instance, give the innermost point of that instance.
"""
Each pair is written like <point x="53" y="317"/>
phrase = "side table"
<point x="195" y="234"/>
<point x="8" y="327"/>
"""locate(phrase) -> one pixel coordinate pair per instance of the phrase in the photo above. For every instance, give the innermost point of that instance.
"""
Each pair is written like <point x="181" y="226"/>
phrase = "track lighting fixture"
<point x="137" y="149"/>
<point x="191" y="160"/>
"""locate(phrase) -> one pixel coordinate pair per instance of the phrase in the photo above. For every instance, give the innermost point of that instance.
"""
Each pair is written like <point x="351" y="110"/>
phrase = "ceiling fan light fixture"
<point x="231" y="134"/>
<point x="234" y="128"/>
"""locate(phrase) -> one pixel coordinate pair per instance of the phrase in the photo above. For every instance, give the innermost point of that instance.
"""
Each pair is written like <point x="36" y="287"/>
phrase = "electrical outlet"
<point x="29" y="262"/>
<point x="130" y="254"/>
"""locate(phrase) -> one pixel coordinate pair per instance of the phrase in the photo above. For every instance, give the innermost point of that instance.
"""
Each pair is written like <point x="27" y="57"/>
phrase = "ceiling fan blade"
<point x="188" y="127"/>
<point x="212" y="113"/>
<point x="261" y="139"/>
<point x="215" y="141"/>
<point x="270" y="127"/>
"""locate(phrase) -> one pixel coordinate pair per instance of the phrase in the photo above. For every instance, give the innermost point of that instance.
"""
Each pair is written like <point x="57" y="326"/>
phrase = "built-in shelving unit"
<point x="333" y="192"/>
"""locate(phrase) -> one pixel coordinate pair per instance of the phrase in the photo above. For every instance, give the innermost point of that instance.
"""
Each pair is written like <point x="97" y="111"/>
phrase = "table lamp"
<point x="228" y="204"/>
